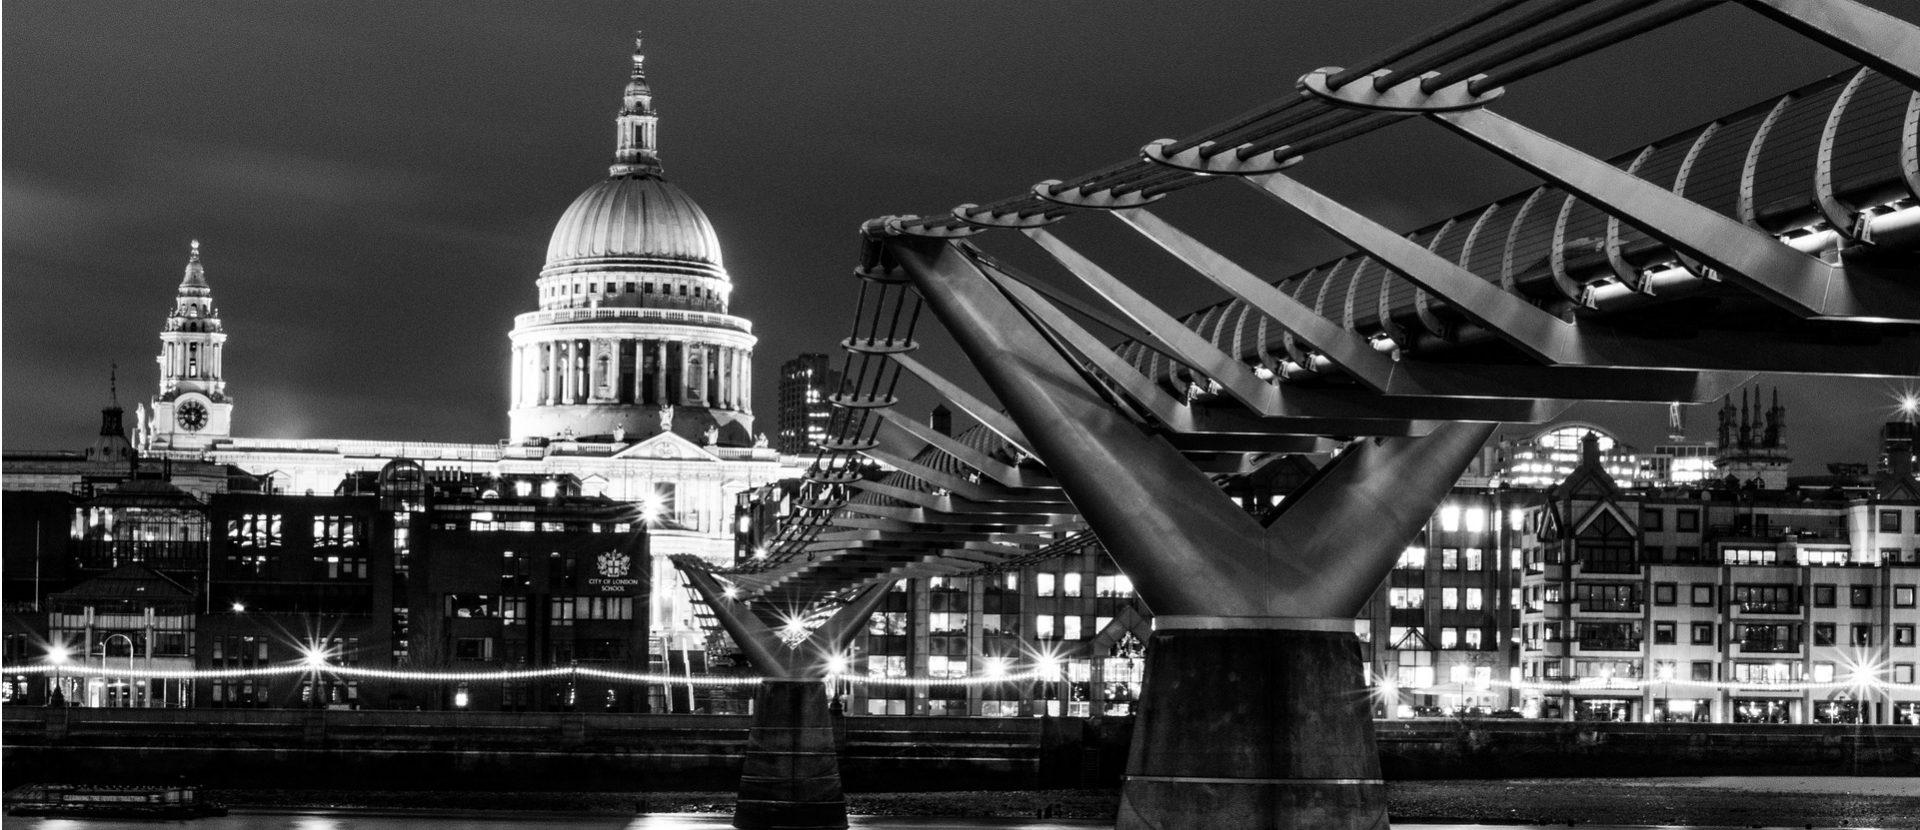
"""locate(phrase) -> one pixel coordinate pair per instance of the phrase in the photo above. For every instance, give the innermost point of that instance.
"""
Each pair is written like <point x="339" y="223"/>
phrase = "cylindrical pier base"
<point x="791" y="779"/>
<point x="1251" y="729"/>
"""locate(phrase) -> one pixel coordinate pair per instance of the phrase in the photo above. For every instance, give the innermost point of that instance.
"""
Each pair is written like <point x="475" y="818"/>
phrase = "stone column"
<point x="550" y="376"/>
<point x="515" y="391"/>
<point x="660" y="374"/>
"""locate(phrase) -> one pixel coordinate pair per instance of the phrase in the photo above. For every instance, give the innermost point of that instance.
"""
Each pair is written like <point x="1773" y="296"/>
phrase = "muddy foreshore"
<point x="1751" y="802"/>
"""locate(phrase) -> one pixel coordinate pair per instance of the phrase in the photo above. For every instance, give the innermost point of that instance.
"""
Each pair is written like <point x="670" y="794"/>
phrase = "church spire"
<point x="637" y="127"/>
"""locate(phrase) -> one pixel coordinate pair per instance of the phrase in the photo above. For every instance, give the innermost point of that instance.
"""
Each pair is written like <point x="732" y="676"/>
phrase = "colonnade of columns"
<point x="642" y="372"/>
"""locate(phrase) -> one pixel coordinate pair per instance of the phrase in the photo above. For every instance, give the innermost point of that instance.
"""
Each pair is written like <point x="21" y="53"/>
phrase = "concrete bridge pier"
<point x="791" y="778"/>
<point x="1254" y="727"/>
<point x="792" y="774"/>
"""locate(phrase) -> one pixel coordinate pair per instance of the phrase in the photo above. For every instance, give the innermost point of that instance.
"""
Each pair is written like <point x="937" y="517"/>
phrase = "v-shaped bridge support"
<point x="791" y="778"/>
<point x="1253" y="713"/>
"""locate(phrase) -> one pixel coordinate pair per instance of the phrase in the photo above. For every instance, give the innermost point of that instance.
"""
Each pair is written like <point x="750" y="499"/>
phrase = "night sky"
<point x="373" y="184"/>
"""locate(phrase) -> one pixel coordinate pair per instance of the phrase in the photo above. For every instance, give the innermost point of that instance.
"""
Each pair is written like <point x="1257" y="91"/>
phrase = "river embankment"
<point x="1749" y="801"/>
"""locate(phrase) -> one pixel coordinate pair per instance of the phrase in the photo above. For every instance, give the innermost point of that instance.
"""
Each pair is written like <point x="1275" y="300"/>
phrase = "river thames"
<point x="264" y="820"/>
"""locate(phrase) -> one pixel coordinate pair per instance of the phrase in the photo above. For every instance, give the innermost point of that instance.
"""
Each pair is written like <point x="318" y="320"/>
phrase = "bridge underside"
<point x="1783" y="238"/>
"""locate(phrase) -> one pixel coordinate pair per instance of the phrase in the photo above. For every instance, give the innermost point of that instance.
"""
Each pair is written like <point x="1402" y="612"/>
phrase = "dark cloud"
<point x="374" y="183"/>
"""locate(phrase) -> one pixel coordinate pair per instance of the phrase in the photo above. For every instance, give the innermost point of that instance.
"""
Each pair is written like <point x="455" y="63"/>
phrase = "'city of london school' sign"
<point x="617" y="570"/>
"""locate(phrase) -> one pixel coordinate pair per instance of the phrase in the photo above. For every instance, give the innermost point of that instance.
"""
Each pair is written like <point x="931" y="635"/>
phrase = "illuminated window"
<point x="336" y="531"/>
<point x="1475" y="599"/>
<point x="254" y="530"/>
<point x="946" y="667"/>
<point x="1476" y="520"/>
<point x="1450" y="518"/>
<point x="1043" y="584"/>
<point x="1406" y="597"/>
<point x="1449" y="559"/>
<point x="1071" y="584"/>
<point x="1450" y="599"/>
<point x="1475" y="559"/>
<point x="1414" y="558"/>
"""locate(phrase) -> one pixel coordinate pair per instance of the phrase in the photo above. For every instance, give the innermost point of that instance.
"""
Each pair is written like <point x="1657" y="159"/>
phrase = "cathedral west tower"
<point x="632" y="337"/>
<point x="191" y="411"/>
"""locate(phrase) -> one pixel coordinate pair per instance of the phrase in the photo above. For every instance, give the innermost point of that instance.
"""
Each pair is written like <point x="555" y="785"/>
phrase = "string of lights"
<point x="1634" y="684"/>
<point x="503" y="675"/>
<point x="1863" y="681"/>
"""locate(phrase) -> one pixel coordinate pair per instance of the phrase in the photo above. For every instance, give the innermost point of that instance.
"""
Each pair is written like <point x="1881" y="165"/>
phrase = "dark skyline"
<point x="373" y="185"/>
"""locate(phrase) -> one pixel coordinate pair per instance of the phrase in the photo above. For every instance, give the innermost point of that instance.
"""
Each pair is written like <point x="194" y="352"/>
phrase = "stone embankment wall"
<point x="273" y="748"/>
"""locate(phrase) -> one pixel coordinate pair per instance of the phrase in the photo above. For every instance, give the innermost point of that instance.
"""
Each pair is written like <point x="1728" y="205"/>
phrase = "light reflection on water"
<point x="376" y="820"/>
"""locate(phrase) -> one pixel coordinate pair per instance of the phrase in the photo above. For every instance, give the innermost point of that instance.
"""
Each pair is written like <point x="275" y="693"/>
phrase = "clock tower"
<point x="192" y="410"/>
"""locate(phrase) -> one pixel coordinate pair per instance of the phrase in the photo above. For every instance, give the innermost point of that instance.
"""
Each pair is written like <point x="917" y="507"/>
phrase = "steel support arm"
<point x="756" y="639"/>
<point x="1193" y="350"/>
<point x="1790" y="279"/>
<point x="927" y="516"/>
<point x="1888" y="44"/>
<point x="839" y="630"/>
<point x="1165" y="522"/>
<point x="963" y="506"/>
<point x="1294" y="410"/>
<point x="1412" y="377"/>
<point x="1346" y="349"/>
<point x="1189" y="549"/>
<point x="1540" y="335"/>
<point x="986" y="414"/>
<point x="978" y="492"/>
<point x="1007" y="474"/>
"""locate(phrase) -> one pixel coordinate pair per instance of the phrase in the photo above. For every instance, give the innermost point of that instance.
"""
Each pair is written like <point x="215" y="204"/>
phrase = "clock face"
<point x="192" y="416"/>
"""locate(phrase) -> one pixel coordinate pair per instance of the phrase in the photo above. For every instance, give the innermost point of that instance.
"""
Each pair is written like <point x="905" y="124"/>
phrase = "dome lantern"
<point x="635" y="152"/>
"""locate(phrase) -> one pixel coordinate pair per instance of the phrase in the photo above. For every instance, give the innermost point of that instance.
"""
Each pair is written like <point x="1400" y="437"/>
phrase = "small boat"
<point x="169" y="802"/>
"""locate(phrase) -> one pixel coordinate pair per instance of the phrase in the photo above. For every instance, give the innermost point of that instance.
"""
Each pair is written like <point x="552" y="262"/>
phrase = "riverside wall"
<point x="290" y="748"/>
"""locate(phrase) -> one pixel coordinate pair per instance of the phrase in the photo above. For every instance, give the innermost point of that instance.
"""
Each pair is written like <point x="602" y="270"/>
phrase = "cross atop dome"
<point x="195" y="281"/>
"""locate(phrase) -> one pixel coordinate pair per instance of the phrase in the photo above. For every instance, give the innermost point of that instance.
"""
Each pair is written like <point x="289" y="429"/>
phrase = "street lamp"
<point x="57" y="655"/>
<point x="315" y="658"/>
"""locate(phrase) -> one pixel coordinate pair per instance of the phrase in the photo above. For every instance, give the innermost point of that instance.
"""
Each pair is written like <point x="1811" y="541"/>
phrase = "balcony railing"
<point x="1769" y="646"/>
<point x="1610" y="643"/>
<point x="1611" y="606"/>
<point x="1607" y="566"/>
<point x="1769" y="607"/>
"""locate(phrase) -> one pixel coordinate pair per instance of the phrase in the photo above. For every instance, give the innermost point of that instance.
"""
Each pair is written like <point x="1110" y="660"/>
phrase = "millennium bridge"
<point x="1781" y="238"/>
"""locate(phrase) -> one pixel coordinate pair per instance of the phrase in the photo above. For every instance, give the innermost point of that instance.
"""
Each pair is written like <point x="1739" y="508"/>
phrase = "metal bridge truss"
<point x="1779" y="238"/>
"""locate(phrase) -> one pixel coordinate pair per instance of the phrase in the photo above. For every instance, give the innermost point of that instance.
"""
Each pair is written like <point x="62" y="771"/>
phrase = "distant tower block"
<point x="192" y="411"/>
<point x="633" y="318"/>
<point x="805" y="384"/>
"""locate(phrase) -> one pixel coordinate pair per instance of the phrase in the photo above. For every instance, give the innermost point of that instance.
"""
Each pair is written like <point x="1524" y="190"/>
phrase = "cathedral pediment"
<point x="668" y="446"/>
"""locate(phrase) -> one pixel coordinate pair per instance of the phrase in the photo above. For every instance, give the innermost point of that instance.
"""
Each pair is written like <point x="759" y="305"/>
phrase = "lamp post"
<point x="1666" y="677"/>
<point x="316" y="658"/>
<point x="57" y="655"/>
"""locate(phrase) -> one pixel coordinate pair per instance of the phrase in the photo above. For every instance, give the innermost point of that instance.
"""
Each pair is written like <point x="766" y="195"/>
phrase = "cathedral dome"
<point x="634" y="215"/>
